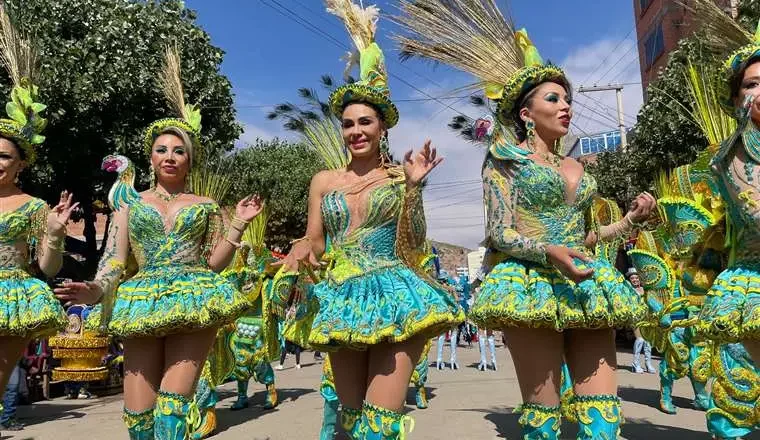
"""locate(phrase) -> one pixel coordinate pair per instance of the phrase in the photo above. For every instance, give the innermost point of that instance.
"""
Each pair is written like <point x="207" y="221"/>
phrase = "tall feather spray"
<point x="471" y="35"/>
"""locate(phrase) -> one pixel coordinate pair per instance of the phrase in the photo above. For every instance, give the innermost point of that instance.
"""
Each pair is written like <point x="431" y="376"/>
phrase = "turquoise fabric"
<point x="599" y="417"/>
<point x="731" y="411"/>
<point x="540" y="422"/>
<point x="383" y="424"/>
<point x="329" y="420"/>
<point x="731" y="312"/>
<point x="369" y="295"/>
<point x="518" y="293"/>
<point x="174" y="290"/>
<point x="28" y="307"/>
<point x="171" y="413"/>
<point x="522" y="293"/>
<point x="139" y="424"/>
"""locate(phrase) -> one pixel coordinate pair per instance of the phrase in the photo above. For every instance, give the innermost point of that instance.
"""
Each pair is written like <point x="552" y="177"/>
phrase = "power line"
<point x="450" y="196"/>
<point x="608" y="55"/>
<point x="300" y="20"/>
<point x="609" y="107"/>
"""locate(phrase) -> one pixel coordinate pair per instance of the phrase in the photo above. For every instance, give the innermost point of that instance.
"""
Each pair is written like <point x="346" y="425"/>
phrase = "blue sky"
<point x="268" y="56"/>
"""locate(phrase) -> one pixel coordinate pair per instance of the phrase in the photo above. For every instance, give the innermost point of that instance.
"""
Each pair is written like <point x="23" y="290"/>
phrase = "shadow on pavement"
<point x="227" y="418"/>
<point x="411" y="395"/>
<point x="40" y="413"/>
<point x="650" y="398"/>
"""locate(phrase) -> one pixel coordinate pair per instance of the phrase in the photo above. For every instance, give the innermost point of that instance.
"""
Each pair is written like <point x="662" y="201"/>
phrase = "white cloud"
<point x="596" y="111"/>
<point x="453" y="198"/>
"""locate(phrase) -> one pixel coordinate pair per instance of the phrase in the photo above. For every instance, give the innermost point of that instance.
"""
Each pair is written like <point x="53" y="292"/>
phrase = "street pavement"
<point x="464" y="404"/>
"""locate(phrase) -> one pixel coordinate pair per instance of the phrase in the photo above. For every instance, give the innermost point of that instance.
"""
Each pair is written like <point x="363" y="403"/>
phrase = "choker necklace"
<point x="166" y="197"/>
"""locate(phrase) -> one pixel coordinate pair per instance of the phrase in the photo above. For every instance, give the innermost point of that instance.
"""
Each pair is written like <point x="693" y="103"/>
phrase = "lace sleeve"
<point x="215" y="231"/>
<point x="113" y="262"/>
<point x="37" y="232"/>
<point x="410" y="234"/>
<point x="501" y="217"/>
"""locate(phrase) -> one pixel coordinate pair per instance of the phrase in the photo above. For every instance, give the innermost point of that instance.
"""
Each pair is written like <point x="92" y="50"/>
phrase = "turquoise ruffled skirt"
<point x="28" y="308"/>
<point x="390" y="304"/>
<point x="165" y="300"/>
<point x="517" y="293"/>
<point x="731" y="312"/>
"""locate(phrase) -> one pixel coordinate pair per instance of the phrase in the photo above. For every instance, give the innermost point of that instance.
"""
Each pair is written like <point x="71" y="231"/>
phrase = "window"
<point x="643" y="5"/>
<point x="600" y="143"/>
<point x="654" y="45"/>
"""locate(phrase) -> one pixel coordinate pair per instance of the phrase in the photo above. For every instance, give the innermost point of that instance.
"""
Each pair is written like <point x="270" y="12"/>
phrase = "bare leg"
<point x="184" y="355"/>
<point x="537" y="355"/>
<point x="390" y="369"/>
<point x="350" y="375"/>
<point x="11" y="349"/>
<point x="592" y="359"/>
<point x="143" y="366"/>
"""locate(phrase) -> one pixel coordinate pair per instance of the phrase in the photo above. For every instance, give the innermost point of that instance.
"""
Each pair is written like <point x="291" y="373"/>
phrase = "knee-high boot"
<point x="139" y="424"/>
<point x="173" y="416"/>
<point x="540" y="422"/>
<point x="599" y="417"/>
<point x="350" y="421"/>
<point x="383" y="424"/>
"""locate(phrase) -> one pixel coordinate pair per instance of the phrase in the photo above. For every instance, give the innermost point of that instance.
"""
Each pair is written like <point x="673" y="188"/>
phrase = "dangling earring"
<point x="385" y="158"/>
<point x="15" y="179"/>
<point x="152" y="177"/>
<point x="530" y="127"/>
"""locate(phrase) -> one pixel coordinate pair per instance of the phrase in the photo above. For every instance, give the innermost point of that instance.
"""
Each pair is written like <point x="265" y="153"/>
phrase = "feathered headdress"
<point x="189" y="116"/>
<point x="475" y="37"/>
<point x="372" y="88"/>
<point x="25" y="123"/>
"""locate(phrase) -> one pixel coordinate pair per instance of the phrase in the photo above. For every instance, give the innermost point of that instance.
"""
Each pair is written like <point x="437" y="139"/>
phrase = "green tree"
<point x="99" y="62"/>
<point x="665" y="136"/>
<point x="280" y="172"/>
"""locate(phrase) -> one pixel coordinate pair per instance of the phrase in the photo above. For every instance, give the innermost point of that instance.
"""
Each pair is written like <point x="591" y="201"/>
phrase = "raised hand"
<point x="418" y="166"/>
<point x="642" y="207"/>
<point x="60" y="214"/>
<point x="248" y="208"/>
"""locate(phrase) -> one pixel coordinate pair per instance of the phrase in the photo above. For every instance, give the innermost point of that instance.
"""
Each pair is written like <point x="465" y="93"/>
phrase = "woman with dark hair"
<point x="550" y="294"/>
<point x="376" y="306"/>
<point x="169" y="312"/>
<point x="731" y="312"/>
<point x="31" y="234"/>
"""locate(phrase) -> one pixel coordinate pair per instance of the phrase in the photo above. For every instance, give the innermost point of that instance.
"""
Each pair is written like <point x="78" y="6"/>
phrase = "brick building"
<point x="660" y="24"/>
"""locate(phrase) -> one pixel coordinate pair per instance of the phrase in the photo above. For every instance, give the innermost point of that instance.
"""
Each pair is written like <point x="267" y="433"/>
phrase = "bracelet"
<point x="233" y="243"/>
<point x="304" y="238"/>
<point x="56" y="243"/>
<point x="238" y="224"/>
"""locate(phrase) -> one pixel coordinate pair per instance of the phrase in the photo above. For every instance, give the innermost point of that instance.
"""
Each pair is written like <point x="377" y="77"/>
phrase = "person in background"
<point x="640" y="343"/>
<point x="8" y="420"/>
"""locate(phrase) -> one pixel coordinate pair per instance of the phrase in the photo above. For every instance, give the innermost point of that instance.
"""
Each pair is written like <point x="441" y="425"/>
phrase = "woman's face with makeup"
<point x="750" y="85"/>
<point x="550" y="109"/>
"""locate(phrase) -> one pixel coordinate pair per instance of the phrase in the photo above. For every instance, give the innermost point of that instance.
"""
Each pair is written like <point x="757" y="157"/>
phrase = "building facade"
<point x="660" y="24"/>
<point x="586" y="148"/>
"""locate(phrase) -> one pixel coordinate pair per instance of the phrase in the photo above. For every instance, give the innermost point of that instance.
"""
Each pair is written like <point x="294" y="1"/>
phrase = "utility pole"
<point x="618" y="88"/>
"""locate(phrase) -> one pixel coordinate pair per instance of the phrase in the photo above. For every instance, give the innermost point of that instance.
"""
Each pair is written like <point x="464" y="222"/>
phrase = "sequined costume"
<point x="28" y="307"/>
<point x="529" y="206"/>
<point x="731" y="311"/>
<point x="246" y="348"/>
<point x="668" y="327"/>
<point x="331" y="406"/>
<point x="174" y="289"/>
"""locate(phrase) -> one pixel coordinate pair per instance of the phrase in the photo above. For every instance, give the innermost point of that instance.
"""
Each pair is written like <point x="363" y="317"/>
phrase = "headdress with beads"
<point x="24" y="124"/>
<point x="731" y="67"/>
<point x="372" y="87"/>
<point x="189" y="116"/>
<point x="475" y="37"/>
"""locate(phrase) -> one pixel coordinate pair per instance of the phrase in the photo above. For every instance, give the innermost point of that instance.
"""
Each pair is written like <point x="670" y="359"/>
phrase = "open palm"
<point x="418" y="166"/>
<point x="61" y="213"/>
<point x="248" y="208"/>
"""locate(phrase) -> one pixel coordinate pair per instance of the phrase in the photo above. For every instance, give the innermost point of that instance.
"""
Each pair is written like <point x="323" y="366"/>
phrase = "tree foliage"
<point x="664" y="137"/>
<point x="99" y="61"/>
<point x="280" y="172"/>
